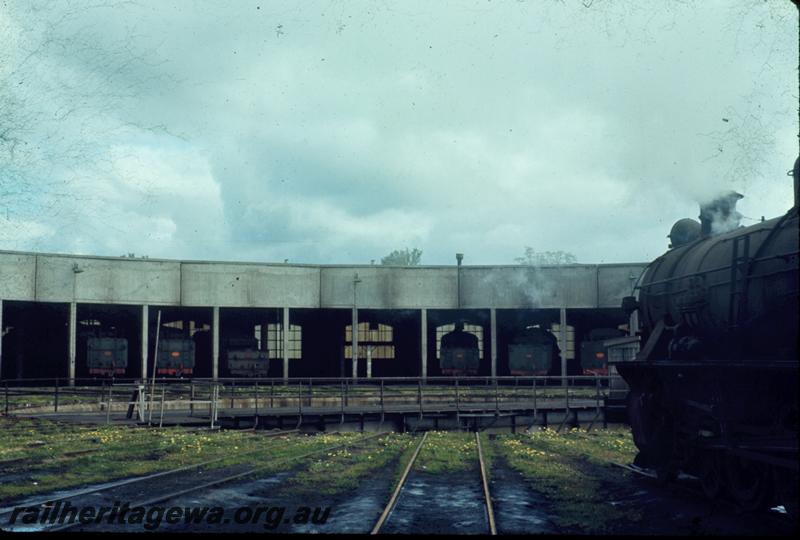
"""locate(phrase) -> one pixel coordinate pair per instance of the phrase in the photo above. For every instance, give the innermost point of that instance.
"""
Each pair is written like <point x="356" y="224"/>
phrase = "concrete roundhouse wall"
<point x="69" y="278"/>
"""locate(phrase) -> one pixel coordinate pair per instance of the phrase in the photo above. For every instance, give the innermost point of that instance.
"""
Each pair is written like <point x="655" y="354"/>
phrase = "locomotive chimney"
<point x="720" y="215"/>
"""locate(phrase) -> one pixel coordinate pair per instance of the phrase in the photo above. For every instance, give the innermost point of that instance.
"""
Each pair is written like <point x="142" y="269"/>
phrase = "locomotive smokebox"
<point x="720" y="215"/>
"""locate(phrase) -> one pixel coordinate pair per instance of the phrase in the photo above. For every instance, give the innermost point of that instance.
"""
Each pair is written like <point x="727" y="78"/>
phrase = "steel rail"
<point x="393" y="500"/>
<point x="485" y="482"/>
<point x="128" y="481"/>
<point x="254" y="470"/>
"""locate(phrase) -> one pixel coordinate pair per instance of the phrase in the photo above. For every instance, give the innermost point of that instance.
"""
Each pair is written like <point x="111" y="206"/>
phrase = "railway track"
<point x="689" y="485"/>
<point x="394" y="499"/>
<point x="230" y="478"/>
<point x="143" y="480"/>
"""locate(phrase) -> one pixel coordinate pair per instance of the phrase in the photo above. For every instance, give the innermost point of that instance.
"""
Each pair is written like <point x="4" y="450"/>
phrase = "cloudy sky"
<point x="336" y="131"/>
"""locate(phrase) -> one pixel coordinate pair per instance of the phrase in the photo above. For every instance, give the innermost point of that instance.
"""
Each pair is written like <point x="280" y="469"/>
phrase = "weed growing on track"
<point x="404" y="459"/>
<point x="573" y="470"/>
<point x="447" y="451"/>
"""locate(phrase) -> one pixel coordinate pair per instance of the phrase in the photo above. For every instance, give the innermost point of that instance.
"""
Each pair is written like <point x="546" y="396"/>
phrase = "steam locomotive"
<point x="244" y="359"/>
<point x="459" y="352"/>
<point x="107" y="356"/>
<point x="594" y="352"/>
<point x="534" y="351"/>
<point x="714" y="389"/>
<point x="176" y="354"/>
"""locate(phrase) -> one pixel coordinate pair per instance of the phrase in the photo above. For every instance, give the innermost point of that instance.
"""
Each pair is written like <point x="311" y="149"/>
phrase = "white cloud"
<point x="158" y="200"/>
<point x="21" y="234"/>
<point x="331" y="133"/>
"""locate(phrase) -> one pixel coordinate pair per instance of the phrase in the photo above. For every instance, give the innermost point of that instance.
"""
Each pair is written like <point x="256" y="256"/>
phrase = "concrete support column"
<point x="145" y="338"/>
<point x="493" y="337"/>
<point x="562" y="343"/>
<point x="215" y="343"/>
<point x="263" y="343"/>
<point x="285" y="344"/>
<point x="424" y="343"/>
<point x="355" y="341"/>
<point x="1" y="338"/>
<point x="73" y="316"/>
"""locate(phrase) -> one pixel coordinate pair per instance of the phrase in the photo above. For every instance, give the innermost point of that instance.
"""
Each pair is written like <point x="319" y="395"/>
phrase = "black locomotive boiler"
<point x="714" y="390"/>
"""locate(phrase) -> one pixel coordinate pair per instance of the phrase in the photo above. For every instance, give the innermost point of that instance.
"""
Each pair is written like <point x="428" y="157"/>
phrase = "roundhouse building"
<point x="312" y="319"/>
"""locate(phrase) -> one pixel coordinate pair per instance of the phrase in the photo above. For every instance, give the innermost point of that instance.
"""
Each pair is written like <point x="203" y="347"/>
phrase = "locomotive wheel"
<point x="637" y="419"/>
<point x="653" y="433"/>
<point x="749" y="482"/>
<point x="662" y="443"/>
<point x="711" y="477"/>
<point x="665" y="456"/>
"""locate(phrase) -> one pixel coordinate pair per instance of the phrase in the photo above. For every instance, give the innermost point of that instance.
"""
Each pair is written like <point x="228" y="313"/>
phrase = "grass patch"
<point x="448" y="451"/>
<point x="343" y="469"/>
<point x="573" y="470"/>
<point x="55" y="456"/>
